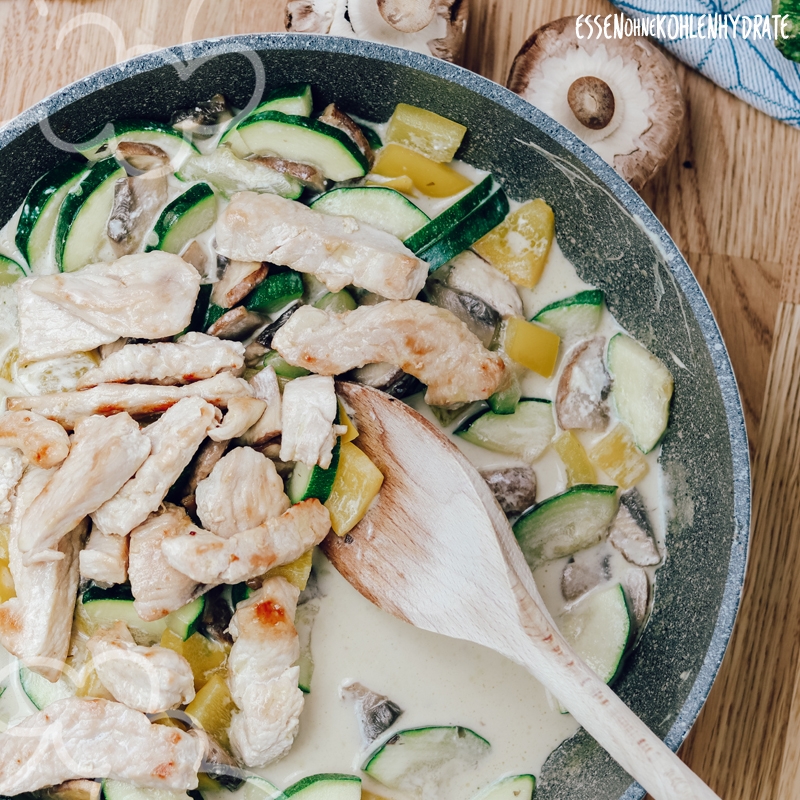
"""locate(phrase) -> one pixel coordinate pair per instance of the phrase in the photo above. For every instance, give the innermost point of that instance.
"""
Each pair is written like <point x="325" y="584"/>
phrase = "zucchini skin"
<point x="175" y="210"/>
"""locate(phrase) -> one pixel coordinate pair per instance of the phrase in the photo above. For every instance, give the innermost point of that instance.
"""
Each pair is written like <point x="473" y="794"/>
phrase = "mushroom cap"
<point x="558" y="39"/>
<point x="407" y="16"/>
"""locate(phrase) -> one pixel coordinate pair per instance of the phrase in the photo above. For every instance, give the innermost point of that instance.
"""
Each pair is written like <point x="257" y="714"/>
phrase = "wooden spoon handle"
<point x="550" y="659"/>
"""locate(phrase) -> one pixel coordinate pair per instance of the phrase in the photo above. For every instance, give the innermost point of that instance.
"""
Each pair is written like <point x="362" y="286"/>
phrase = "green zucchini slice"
<point x="186" y="217"/>
<point x="119" y="790"/>
<point x="566" y="522"/>
<point x="102" y="143"/>
<point x="83" y="216"/>
<point x="304" y="623"/>
<point x="504" y="401"/>
<point x="574" y="317"/>
<point x="306" y="482"/>
<point x="337" y="302"/>
<point x="40" y="691"/>
<point x="257" y="788"/>
<point x="378" y="206"/>
<point x="40" y="211"/>
<point x="10" y="271"/>
<point x="275" y="292"/>
<point x="327" y="786"/>
<point x="308" y="141"/>
<point x="283" y="368"/>
<point x="515" y="787"/>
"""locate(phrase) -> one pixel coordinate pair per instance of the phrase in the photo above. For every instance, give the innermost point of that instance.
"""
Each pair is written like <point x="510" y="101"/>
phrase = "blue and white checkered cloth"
<point x="752" y="69"/>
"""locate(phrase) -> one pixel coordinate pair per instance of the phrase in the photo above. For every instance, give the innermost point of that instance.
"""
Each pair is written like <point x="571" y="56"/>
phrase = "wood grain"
<point x="728" y="198"/>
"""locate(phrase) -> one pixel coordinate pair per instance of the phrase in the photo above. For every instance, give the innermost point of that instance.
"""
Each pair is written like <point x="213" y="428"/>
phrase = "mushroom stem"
<point x="592" y="102"/>
<point x="407" y="16"/>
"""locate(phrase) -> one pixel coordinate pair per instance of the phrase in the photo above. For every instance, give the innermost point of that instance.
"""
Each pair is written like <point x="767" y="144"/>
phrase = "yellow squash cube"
<point x="531" y="345"/>
<point x="579" y="468"/>
<point x="212" y="709"/>
<point x="519" y="245"/>
<point x="430" y="178"/>
<point x="7" y="590"/>
<point x="617" y="455"/>
<point x="357" y="483"/>
<point x="206" y="657"/>
<point x="296" y="572"/>
<point x="434" y="136"/>
<point x="352" y="431"/>
<point x="91" y="685"/>
<point x="402" y="184"/>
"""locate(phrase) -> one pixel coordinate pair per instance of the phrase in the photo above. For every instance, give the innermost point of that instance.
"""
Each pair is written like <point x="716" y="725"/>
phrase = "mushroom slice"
<point x="238" y="323"/>
<point x="582" y="573"/>
<point x="480" y="317"/>
<point x="238" y="280"/>
<point x="388" y="378"/>
<point x="143" y="157"/>
<point x="470" y="273"/>
<point x="196" y="255"/>
<point x="513" y="487"/>
<point x="583" y="388"/>
<point x="218" y="764"/>
<point x="80" y="737"/>
<point x="334" y="116"/>
<point x="203" y="120"/>
<point x="208" y="455"/>
<point x="407" y="16"/>
<point x="631" y="532"/>
<point x="375" y="712"/>
<point x="137" y="201"/>
<point x="43" y="442"/>
<point x="75" y="790"/>
<point x="450" y="47"/>
<point x="265" y="387"/>
<point x="305" y="173"/>
<point x="104" y="560"/>
<point x="265" y="337"/>
<point x="242" y="414"/>
<point x="309" y="16"/>
<point x="621" y="96"/>
<point x="636" y="584"/>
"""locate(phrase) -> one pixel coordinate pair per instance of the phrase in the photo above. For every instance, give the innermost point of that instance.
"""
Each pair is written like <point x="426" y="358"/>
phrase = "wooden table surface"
<point x="729" y="197"/>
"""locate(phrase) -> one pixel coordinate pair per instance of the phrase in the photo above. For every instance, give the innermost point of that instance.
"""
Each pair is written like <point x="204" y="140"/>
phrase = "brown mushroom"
<point x="207" y="456"/>
<point x="238" y="323"/>
<point x="79" y="789"/>
<point x="636" y="585"/>
<point x="583" y="388"/>
<point x="632" y="533"/>
<point x="238" y="280"/>
<point x="203" y="120"/>
<point x="333" y="115"/>
<point x="582" y="573"/>
<point x="305" y="173"/>
<point x="137" y="201"/>
<point x="141" y="157"/>
<point x="408" y="16"/>
<point x="195" y="255"/>
<point x="621" y="96"/>
<point x="513" y="487"/>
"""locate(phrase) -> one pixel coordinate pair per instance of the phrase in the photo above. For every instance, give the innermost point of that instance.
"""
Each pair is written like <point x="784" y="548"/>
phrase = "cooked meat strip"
<point x="305" y="173"/>
<point x="82" y="737"/>
<point x="148" y="679"/>
<point x="242" y="492"/>
<point x="138" y="400"/>
<point x="207" y="456"/>
<point x="583" y="388"/>
<point x="424" y="341"/>
<point x="239" y="279"/>
<point x="333" y="115"/>
<point x="309" y="410"/>
<point x="43" y="442"/>
<point x="157" y="588"/>
<point x="105" y="452"/>
<point x="194" y="357"/>
<point x="265" y="387"/>
<point x="105" y="558"/>
<point x="174" y="439"/>
<point x="35" y="625"/>
<point x="46" y="330"/>
<point x="238" y="323"/>
<point x="338" y="250"/>
<point x="261" y="677"/>
<point x="211" y="559"/>
<point x="242" y="414"/>
<point x="12" y="465"/>
<point x="145" y="295"/>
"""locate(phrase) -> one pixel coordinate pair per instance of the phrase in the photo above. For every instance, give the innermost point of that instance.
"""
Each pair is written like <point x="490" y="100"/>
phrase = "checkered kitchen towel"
<point x="750" y="68"/>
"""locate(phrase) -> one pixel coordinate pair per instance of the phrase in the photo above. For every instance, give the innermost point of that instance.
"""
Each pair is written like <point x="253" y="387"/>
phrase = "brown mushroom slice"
<point x="79" y="789"/>
<point x="631" y="532"/>
<point x="141" y="157"/>
<point x="195" y="255"/>
<point x="217" y="763"/>
<point x="238" y="280"/>
<point x="200" y="468"/>
<point x="334" y="116"/>
<point x="636" y="585"/>
<point x="375" y="712"/>
<point x="407" y="16"/>
<point x="583" y="388"/>
<point x="305" y="173"/>
<point x="309" y="16"/>
<point x="137" y="201"/>
<point x="238" y="323"/>
<point x="481" y="318"/>
<point x="621" y="96"/>
<point x="582" y="573"/>
<point x="265" y="337"/>
<point x="203" y="120"/>
<point x="388" y="378"/>
<point x="514" y="488"/>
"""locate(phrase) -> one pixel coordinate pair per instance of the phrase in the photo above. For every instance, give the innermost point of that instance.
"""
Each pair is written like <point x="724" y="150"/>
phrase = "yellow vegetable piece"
<point x="91" y="685"/>
<point x="296" y="572"/>
<point x="212" y="709"/>
<point x="206" y="657"/>
<point x="531" y="345"/>
<point x="617" y="455"/>
<point x="430" y="178"/>
<point x="579" y="468"/>
<point x="519" y="245"/>
<point x="352" y="431"/>
<point x="7" y="370"/>
<point x="357" y="483"/>
<point x="402" y="184"/>
<point x="434" y="136"/>
<point x="5" y="531"/>
<point x="7" y="590"/>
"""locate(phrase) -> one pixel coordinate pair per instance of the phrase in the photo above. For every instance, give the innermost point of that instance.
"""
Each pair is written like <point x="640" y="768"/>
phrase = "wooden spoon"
<point x="437" y="551"/>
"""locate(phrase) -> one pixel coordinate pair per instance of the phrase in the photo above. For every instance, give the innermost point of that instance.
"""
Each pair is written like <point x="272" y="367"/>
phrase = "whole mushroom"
<point x="621" y="96"/>
<point x="432" y="27"/>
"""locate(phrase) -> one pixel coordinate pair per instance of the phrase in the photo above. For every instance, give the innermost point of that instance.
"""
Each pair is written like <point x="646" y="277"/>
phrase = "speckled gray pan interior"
<point x="616" y="244"/>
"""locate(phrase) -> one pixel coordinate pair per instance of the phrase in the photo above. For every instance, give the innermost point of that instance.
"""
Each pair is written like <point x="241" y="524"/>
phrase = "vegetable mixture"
<point x="177" y="302"/>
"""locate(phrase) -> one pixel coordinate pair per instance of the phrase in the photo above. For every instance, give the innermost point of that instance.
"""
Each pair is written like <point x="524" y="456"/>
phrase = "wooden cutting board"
<point x="729" y="197"/>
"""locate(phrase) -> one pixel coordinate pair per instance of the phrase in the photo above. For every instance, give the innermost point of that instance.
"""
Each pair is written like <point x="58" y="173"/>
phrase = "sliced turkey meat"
<point x="12" y="465"/>
<point x="105" y="558"/>
<point x="337" y="250"/>
<point x="43" y="442"/>
<point x="242" y="414"/>
<point x="265" y="387"/>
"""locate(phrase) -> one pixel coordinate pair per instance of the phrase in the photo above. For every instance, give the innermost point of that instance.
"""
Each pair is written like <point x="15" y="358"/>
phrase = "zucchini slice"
<point x="525" y="433"/>
<point x="10" y="271"/>
<point x="465" y="233"/>
<point x="83" y="216"/>
<point x="102" y="143"/>
<point x="119" y="790"/>
<point x="599" y="628"/>
<point x="421" y="758"/>
<point x="230" y="174"/>
<point x="186" y="217"/>
<point x="642" y="390"/>
<point x="574" y="317"/>
<point x="40" y="691"/>
<point x="256" y="788"/>
<point x="514" y="787"/>
<point x="450" y="217"/>
<point x="304" y="623"/>
<point x="283" y="368"/>
<point x="566" y="522"/>
<point x="504" y="401"/>
<point x="327" y="786"/>
<point x="382" y="208"/>
<point x="40" y="211"/>
<point x="306" y="482"/>
<point x="277" y="291"/>
<point x="308" y="141"/>
<point x="337" y="302"/>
